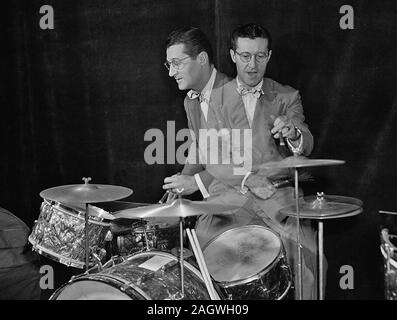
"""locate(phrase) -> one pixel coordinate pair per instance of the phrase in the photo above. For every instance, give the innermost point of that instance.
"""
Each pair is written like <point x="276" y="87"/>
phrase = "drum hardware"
<point x="296" y="162"/>
<point x="388" y="212"/>
<point x="157" y="275"/>
<point x="98" y="261"/>
<point x="321" y="207"/>
<point x="85" y="193"/>
<point x="389" y="253"/>
<point x="180" y="208"/>
<point x="167" y="197"/>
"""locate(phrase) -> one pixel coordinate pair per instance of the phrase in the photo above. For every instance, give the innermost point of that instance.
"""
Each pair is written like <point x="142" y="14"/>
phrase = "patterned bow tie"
<point x="256" y="92"/>
<point x="193" y="94"/>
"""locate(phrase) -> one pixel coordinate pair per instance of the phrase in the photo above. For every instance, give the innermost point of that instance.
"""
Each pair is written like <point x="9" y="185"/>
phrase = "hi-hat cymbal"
<point x="325" y="207"/>
<point x="85" y="193"/>
<point x="177" y="208"/>
<point x="299" y="162"/>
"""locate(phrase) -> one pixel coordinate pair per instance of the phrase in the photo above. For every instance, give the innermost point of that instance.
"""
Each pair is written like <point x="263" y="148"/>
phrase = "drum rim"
<point x="279" y="256"/>
<point x="257" y="276"/>
<point x="103" y="279"/>
<point x="76" y="214"/>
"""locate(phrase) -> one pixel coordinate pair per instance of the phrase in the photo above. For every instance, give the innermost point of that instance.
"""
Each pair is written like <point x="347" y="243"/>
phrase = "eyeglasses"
<point x="260" y="57"/>
<point x="177" y="64"/>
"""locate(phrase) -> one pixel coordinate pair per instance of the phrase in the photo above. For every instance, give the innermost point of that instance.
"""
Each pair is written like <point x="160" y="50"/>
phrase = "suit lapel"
<point x="235" y="105"/>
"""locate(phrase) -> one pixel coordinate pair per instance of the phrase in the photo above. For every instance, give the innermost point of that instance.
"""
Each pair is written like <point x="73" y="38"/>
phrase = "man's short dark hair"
<point x="194" y="39"/>
<point x="250" y="31"/>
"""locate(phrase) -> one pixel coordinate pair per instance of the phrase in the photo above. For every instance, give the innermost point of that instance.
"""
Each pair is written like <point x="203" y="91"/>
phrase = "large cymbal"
<point x="85" y="193"/>
<point x="299" y="162"/>
<point x="177" y="208"/>
<point x="325" y="207"/>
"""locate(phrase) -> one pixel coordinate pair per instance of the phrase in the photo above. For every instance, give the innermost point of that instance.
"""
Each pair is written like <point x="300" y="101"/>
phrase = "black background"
<point x="77" y="100"/>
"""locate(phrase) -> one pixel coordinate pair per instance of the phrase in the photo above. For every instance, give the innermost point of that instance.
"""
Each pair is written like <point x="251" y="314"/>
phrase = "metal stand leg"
<point x="321" y="259"/>
<point x="300" y="284"/>
<point x="87" y="248"/>
<point x="181" y="257"/>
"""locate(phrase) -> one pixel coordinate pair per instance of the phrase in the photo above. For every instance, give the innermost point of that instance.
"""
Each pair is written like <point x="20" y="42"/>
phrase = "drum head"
<point x="91" y="290"/>
<point x="241" y="253"/>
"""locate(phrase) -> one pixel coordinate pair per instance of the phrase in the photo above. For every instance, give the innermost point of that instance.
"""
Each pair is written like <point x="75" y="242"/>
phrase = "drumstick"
<point x="203" y="261"/>
<point x="206" y="279"/>
<point x="281" y="139"/>
<point x="161" y="201"/>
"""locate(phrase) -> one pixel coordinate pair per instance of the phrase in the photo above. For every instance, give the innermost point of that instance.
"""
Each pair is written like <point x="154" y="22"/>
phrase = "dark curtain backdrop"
<point x="77" y="100"/>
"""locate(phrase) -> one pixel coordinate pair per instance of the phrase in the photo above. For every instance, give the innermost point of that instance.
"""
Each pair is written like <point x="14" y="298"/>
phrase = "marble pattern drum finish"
<point x="59" y="233"/>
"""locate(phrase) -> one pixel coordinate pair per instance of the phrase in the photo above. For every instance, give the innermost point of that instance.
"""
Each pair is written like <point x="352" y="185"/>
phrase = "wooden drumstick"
<point x="206" y="277"/>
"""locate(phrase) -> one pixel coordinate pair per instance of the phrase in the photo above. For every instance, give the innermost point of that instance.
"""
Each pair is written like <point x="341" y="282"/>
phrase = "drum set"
<point x="140" y="251"/>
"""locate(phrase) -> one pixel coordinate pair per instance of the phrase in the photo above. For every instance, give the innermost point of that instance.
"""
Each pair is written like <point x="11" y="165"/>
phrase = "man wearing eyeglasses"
<point x="274" y="112"/>
<point x="190" y="62"/>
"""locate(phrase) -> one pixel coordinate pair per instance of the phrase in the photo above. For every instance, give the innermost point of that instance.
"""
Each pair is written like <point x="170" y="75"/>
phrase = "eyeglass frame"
<point x="168" y="65"/>
<point x="251" y="55"/>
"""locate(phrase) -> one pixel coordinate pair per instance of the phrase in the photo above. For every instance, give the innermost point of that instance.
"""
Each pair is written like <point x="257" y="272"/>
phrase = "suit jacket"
<point x="226" y="110"/>
<point x="215" y="120"/>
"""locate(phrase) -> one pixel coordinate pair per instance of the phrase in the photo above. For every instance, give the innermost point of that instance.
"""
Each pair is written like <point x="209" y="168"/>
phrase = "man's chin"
<point x="182" y="86"/>
<point x="252" y="82"/>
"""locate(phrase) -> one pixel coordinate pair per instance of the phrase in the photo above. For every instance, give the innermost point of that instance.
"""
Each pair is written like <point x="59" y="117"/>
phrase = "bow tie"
<point x="193" y="94"/>
<point x="256" y="92"/>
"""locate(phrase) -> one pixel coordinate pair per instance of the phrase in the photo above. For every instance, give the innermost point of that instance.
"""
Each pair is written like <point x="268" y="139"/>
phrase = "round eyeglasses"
<point x="177" y="64"/>
<point x="246" y="57"/>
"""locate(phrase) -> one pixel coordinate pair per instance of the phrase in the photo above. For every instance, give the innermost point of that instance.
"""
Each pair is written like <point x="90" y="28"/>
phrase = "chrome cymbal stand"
<point x="299" y="246"/>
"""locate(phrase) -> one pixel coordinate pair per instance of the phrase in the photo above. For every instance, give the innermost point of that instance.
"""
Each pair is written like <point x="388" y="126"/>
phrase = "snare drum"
<point x="59" y="233"/>
<point x="249" y="262"/>
<point x="150" y="275"/>
<point x="389" y="253"/>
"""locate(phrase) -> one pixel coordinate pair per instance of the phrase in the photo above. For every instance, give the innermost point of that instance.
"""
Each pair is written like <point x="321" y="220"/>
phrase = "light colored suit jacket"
<point x="226" y="110"/>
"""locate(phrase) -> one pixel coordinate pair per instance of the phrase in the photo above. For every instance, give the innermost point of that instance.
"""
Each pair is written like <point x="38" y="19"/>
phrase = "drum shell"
<point x="137" y="283"/>
<point x="270" y="282"/>
<point x="59" y="234"/>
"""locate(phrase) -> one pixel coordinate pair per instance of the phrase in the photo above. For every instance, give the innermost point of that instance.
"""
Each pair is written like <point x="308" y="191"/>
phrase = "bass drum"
<point x="249" y="263"/>
<point x="152" y="275"/>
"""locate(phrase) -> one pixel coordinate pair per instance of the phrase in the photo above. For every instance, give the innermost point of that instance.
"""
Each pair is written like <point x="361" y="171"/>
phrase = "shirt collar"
<point x="258" y="86"/>
<point x="206" y="92"/>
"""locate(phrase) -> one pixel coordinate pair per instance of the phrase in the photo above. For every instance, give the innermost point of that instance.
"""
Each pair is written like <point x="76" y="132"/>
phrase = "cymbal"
<point x="325" y="207"/>
<point x="177" y="208"/>
<point x="85" y="193"/>
<point x="299" y="162"/>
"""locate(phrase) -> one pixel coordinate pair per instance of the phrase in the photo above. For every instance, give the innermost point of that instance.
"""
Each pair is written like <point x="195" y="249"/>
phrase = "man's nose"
<point x="252" y="62"/>
<point x="171" y="71"/>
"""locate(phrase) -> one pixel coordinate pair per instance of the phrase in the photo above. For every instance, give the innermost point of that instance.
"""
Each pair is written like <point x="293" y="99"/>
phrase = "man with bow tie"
<point x="190" y="63"/>
<point x="274" y="115"/>
<point x="274" y="112"/>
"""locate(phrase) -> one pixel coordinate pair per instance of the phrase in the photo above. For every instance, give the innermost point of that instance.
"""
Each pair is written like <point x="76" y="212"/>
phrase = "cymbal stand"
<point x="181" y="257"/>
<point x="145" y="235"/>
<point x="300" y="284"/>
<point x="87" y="247"/>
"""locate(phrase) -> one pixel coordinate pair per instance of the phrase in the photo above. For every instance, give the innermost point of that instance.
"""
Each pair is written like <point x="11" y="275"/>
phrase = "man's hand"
<point x="284" y="126"/>
<point x="260" y="186"/>
<point x="182" y="184"/>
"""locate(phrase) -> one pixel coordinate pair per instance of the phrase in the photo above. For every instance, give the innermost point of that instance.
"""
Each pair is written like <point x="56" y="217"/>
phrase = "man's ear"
<point x="202" y="58"/>
<point x="233" y="55"/>
<point x="270" y="54"/>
